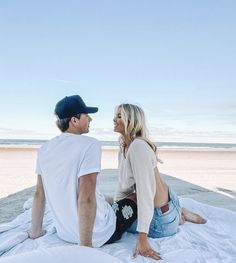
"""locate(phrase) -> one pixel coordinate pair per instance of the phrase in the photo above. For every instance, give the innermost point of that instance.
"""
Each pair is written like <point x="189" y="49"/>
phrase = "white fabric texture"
<point x="62" y="254"/>
<point x="213" y="242"/>
<point x="61" y="161"/>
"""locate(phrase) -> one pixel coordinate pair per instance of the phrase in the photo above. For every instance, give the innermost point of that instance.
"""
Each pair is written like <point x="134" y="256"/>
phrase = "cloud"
<point x="6" y="133"/>
<point x="165" y="134"/>
<point x="170" y="134"/>
<point x="177" y="135"/>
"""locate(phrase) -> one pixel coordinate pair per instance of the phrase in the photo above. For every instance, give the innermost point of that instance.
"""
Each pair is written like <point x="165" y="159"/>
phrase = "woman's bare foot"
<point x="187" y="215"/>
<point x="182" y="219"/>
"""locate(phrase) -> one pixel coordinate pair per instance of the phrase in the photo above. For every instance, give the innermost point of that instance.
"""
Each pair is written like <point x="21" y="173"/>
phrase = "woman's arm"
<point x="143" y="248"/>
<point x="141" y="161"/>
<point x="140" y="156"/>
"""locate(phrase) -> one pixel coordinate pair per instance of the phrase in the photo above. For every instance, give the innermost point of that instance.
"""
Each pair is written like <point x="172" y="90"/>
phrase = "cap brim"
<point x="91" y="109"/>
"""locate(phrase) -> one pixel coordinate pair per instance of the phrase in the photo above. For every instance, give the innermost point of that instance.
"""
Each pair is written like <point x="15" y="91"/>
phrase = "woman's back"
<point x="161" y="196"/>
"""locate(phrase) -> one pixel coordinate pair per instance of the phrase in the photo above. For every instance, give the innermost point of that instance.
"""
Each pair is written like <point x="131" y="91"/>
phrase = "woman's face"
<point x="118" y="123"/>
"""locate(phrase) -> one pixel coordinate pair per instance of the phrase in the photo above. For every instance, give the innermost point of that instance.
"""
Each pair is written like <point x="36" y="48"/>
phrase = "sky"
<point x="176" y="59"/>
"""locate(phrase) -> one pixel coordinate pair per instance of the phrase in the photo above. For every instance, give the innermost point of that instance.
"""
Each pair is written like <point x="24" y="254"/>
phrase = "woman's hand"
<point x="143" y="248"/>
<point x="35" y="234"/>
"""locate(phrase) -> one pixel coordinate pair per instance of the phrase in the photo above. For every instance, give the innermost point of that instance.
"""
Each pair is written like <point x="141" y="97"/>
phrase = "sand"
<point x="206" y="175"/>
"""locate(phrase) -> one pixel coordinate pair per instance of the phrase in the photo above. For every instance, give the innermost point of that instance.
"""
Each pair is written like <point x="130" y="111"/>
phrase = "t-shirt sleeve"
<point x="38" y="169"/>
<point x="91" y="162"/>
<point x="141" y="161"/>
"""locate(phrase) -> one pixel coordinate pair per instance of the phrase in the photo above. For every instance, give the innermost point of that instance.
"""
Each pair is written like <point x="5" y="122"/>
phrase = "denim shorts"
<point x="163" y="224"/>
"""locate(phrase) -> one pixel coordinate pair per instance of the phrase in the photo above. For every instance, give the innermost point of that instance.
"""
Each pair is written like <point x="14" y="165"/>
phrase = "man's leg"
<point x="126" y="214"/>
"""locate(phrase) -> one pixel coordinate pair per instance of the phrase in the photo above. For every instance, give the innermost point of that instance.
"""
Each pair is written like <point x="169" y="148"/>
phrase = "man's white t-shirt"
<point x="61" y="162"/>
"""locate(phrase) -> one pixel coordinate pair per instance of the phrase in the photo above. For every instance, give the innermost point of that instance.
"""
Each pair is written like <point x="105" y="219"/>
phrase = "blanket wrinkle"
<point x="213" y="242"/>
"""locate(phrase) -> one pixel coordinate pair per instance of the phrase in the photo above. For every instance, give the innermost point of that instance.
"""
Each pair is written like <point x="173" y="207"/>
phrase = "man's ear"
<point x="73" y="121"/>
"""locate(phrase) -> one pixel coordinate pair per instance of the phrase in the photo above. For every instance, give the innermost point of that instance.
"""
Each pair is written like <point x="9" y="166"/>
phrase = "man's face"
<point x="84" y="121"/>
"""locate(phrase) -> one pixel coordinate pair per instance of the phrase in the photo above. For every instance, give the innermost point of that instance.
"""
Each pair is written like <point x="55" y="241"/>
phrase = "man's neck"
<point x="73" y="132"/>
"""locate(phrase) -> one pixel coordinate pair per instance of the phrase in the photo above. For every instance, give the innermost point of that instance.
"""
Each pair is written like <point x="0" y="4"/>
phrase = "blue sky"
<point x="177" y="59"/>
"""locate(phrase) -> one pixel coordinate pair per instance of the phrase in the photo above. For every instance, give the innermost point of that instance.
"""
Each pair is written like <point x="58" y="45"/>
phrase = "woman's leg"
<point x="187" y="215"/>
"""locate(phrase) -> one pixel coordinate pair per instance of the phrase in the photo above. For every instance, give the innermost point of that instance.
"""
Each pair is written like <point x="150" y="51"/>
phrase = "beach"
<point x="205" y="175"/>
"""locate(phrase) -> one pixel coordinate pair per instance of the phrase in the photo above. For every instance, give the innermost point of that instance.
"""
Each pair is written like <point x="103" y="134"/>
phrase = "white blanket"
<point x="213" y="242"/>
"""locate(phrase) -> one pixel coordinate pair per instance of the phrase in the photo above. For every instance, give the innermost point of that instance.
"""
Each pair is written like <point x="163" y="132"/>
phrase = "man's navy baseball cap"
<point x="71" y="106"/>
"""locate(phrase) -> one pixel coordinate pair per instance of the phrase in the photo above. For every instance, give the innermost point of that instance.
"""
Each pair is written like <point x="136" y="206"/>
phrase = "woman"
<point x="159" y="211"/>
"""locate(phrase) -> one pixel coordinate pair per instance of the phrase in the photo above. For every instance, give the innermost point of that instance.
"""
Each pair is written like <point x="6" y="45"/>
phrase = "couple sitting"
<point x="67" y="168"/>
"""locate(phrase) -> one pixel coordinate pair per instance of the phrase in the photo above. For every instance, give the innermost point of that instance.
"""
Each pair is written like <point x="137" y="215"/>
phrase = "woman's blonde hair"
<point x="135" y="124"/>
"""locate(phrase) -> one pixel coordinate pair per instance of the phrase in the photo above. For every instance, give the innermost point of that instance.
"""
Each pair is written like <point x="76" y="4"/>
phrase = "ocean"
<point x="174" y="145"/>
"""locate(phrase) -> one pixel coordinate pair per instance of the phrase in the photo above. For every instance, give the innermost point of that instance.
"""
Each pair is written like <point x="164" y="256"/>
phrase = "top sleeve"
<point x="141" y="161"/>
<point x="91" y="162"/>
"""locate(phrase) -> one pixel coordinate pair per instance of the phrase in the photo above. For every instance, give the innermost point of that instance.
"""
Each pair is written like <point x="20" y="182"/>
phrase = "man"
<point x="67" y="168"/>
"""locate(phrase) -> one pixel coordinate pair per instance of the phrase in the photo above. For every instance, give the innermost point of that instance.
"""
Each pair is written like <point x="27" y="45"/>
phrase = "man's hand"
<point x="143" y="248"/>
<point x="35" y="234"/>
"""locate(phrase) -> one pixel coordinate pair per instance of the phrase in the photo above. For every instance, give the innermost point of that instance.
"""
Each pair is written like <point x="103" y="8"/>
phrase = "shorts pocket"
<point x="171" y="227"/>
<point x="166" y="225"/>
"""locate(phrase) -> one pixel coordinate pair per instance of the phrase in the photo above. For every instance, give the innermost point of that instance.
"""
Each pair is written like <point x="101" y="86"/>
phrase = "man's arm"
<point x="87" y="207"/>
<point x="37" y="211"/>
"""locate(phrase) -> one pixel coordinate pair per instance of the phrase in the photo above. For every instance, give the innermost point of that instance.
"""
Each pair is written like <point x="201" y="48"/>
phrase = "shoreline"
<point x="112" y="147"/>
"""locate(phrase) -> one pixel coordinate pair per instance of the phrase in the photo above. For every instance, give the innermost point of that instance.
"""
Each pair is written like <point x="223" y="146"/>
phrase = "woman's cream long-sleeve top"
<point x="136" y="173"/>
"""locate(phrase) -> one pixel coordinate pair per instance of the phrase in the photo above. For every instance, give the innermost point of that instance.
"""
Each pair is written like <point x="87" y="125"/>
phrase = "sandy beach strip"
<point x="206" y="175"/>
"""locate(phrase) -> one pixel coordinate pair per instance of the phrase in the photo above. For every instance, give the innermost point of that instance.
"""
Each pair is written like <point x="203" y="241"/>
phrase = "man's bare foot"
<point x="192" y="217"/>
